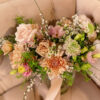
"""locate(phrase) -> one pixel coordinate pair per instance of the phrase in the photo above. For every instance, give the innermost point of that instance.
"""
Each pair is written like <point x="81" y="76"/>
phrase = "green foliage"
<point x="74" y="58"/>
<point x="84" y="50"/>
<point x="19" y="20"/>
<point x="19" y="76"/>
<point x="78" y="60"/>
<point x="80" y="37"/>
<point x="28" y="57"/>
<point x="1" y="52"/>
<point x="12" y="72"/>
<point x="69" y="77"/>
<point x="85" y="67"/>
<point x="91" y="28"/>
<point x="30" y="21"/>
<point x="84" y="73"/>
<point x="77" y="68"/>
<point x="96" y="55"/>
<point x="56" y="40"/>
<point x="98" y="35"/>
<point x="92" y="48"/>
<point x="10" y="38"/>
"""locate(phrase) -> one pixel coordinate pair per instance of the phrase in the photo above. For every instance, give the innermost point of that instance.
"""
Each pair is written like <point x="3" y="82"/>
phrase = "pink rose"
<point x="25" y="33"/>
<point x="56" y="31"/>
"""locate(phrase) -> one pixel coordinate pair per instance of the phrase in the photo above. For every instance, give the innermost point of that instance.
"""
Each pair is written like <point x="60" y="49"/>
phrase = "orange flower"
<point x="15" y="56"/>
<point x="43" y="48"/>
<point x="7" y="47"/>
<point x="56" y="64"/>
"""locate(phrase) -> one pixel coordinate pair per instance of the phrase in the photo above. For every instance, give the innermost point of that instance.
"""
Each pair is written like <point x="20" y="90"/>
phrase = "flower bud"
<point x="85" y="49"/>
<point x="77" y="37"/>
<point x="96" y="55"/>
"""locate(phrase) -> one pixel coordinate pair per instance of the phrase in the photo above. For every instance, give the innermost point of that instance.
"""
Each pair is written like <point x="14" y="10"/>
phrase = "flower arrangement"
<point x="56" y="51"/>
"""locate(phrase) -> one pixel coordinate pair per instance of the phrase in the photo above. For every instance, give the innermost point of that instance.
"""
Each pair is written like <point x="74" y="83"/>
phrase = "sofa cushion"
<point x="7" y="81"/>
<point x="82" y="90"/>
<point x="27" y="8"/>
<point x="17" y="94"/>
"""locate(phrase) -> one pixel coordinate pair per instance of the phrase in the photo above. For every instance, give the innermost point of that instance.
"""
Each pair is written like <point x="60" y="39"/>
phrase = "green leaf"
<point x="69" y="77"/>
<point x="92" y="48"/>
<point x="30" y="21"/>
<point x="70" y="82"/>
<point x="96" y="55"/>
<point x="77" y="68"/>
<point x="10" y="38"/>
<point x="13" y="72"/>
<point x="82" y="37"/>
<point x="19" y="20"/>
<point x="74" y="58"/>
<point x="85" y="76"/>
<point x="33" y="64"/>
<point x="85" y="67"/>
<point x="78" y="36"/>
<point x="89" y="72"/>
<point x="85" y="49"/>
<point x="19" y="76"/>
<point x="98" y="35"/>
<point x="1" y="52"/>
<point x="91" y="28"/>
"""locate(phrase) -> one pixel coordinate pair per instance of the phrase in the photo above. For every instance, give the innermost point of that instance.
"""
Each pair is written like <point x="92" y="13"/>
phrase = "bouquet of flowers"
<point x="57" y="50"/>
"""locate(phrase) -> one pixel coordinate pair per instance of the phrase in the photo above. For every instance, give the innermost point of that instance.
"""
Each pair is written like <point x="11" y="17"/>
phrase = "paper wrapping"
<point x="54" y="89"/>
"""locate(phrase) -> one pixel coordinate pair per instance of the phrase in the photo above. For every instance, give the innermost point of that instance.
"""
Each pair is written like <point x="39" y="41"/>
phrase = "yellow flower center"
<point x="21" y="69"/>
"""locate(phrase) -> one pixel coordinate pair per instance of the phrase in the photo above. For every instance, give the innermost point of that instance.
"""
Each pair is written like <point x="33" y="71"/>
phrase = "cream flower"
<point x="71" y="47"/>
<point x="6" y="47"/>
<point x="82" y="21"/>
<point x="92" y="36"/>
<point x="44" y="48"/>
<point x="56" y="64"/>
<point x="65" y="21"/>
<point x="16" y="55"/>
<point x="26" y="33"/>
